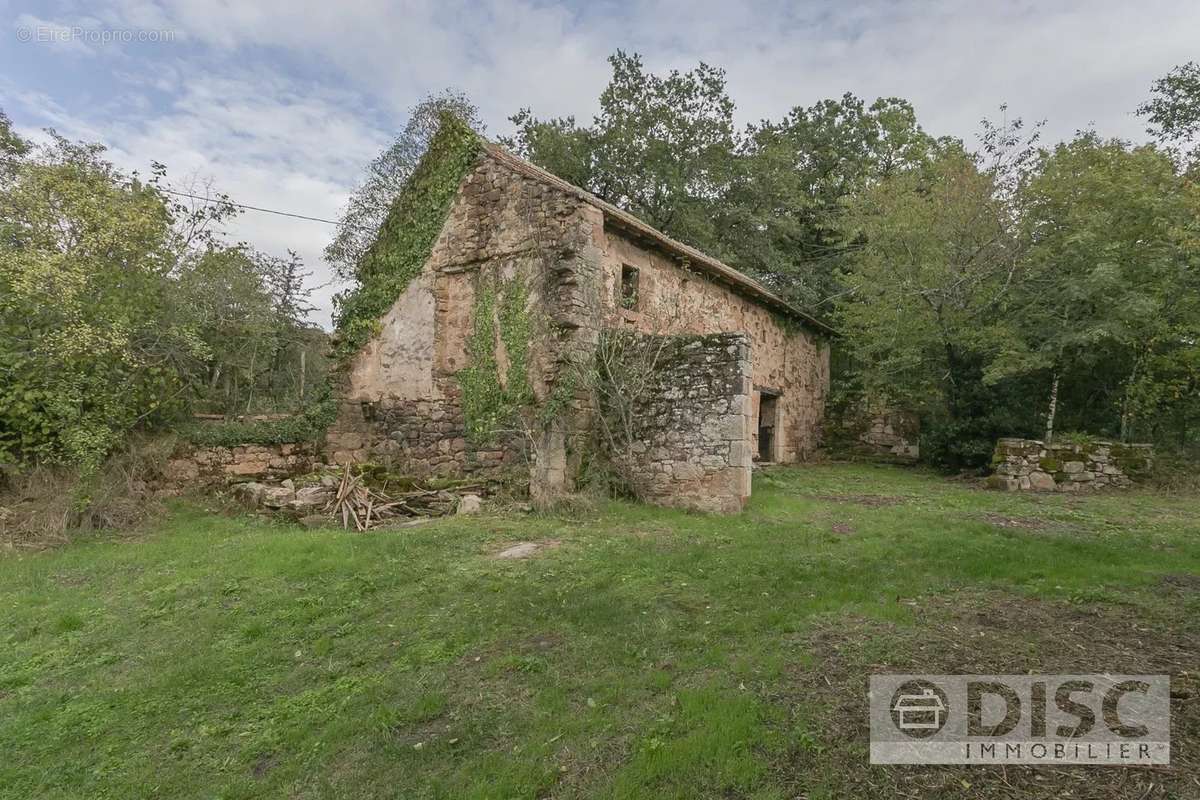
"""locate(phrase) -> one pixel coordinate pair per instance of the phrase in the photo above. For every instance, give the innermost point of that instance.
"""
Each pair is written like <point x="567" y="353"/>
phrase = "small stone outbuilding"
<point x="481" y="363"/>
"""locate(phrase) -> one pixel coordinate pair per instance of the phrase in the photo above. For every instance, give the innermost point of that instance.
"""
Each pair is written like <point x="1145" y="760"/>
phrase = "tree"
<point x="250" y="310"/>
<point x="120" y="305"/>
<point x="937" y="254"/>
<point x="386" y="177"/>
<point x="661" y="147"/>
<point x="1173" y="109"/>
<point x="1110" y="302"/>
<point x="767" y="200"/>
<point x="780" y="221"/>
<point x="90" y="346"/>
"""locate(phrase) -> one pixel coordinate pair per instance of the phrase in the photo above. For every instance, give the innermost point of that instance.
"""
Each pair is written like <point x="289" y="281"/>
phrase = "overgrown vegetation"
<point x="496" y="391"/>
<point x="642" y="653"/>
<point x="122" y="309"/>
<point x="48" y="505"/>
<point x="308" y="425"/>
<point x="406" y="237"/>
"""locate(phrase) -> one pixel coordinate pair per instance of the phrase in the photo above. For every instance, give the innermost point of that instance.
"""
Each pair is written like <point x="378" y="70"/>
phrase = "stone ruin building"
<point x="530" y="283"/>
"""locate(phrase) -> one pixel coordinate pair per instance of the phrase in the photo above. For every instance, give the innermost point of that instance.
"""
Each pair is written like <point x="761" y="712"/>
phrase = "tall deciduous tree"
<point x="929" y="282"/>
<point x="780" y="222"/>
<point x="1173" y="110"/>
<point x="661" y="147"/>
<point x="1111" y="296"/>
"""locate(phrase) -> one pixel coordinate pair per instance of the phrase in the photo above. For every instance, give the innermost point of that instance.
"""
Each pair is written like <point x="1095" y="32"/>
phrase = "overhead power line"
<point x="248" y="208"/>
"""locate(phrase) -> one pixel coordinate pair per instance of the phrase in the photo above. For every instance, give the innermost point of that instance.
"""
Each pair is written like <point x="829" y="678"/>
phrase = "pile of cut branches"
<point x="361" y="507"/>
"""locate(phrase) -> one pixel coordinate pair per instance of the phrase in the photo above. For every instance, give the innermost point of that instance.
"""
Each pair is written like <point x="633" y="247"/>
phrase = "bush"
<point x="309" y="425"/>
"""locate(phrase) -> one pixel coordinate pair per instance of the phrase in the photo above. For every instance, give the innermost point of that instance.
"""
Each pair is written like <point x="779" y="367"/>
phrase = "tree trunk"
<point x="1053" y="409"/>
<point x="1127" y="401"/>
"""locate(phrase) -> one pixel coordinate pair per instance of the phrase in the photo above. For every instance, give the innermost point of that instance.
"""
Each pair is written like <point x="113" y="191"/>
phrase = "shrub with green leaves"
<point x="307" y="426"/>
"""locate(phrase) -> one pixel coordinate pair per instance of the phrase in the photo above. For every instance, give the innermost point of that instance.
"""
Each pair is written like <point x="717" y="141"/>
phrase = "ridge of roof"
<point x="714" y="267"/>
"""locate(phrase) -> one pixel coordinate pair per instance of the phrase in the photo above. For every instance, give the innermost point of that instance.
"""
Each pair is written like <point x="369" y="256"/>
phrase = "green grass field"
<point x="644" y="653"/>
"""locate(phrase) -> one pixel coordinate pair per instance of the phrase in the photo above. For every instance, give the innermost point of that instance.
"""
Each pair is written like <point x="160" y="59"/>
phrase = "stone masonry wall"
<point x="862" y="429"/>
<point x="1028" y="464"/>
<point x="213" y="465"/>
<point x="789" y="360"/>
<point x="692" y="447"/>
<point x="421" y="437"/>
<point x="402" y="398"/>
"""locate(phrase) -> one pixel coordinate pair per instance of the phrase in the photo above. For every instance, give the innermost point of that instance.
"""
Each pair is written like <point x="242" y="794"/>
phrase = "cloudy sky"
<point x="281" y="103"/>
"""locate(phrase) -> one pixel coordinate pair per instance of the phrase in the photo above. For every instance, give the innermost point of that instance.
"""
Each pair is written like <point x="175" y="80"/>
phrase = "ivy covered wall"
<point x="406" y="237"/>
<point x="459" y="361"/>
<point x="496" y="390"/>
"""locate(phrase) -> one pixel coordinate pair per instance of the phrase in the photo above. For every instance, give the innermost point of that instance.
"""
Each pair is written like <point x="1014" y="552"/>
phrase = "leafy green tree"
<point x="661" y="147"/>
<point x="781" y="220"/>
<point x="767" y="200"/>
<point x="1173" y="109"/>
<point x="120" y="305"/>
<point x="928" y="283"/>
<point x="250" y="310"/>
<point x="1111" y="294"/>
<point x="90" y="346"/>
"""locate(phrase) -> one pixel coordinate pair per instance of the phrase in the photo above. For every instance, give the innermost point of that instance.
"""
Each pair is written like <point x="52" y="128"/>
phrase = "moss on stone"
<point x="997" y="482"/>
<point x="406" y="237"/>
<point x="1130" y="460"/>
<point x="1050" y="465"/>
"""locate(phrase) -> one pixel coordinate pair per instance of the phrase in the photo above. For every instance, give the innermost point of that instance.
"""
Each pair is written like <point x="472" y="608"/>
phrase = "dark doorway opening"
<point x="768" y="412"/>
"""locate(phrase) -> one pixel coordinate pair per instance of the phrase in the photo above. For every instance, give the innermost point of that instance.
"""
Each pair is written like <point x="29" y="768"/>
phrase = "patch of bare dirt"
<point x="541" y="642"/>
<point x="1180" y="584"/>
<point x="842" y="528"/>
<point x="1020" y="523"/>
<point x="993" y="634"/>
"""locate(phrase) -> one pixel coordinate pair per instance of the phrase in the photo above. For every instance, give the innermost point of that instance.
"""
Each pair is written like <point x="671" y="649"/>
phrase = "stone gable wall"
<point x="692" y="444"/>
<point x="1029" y="464"/>
<point x="402" y="400"/>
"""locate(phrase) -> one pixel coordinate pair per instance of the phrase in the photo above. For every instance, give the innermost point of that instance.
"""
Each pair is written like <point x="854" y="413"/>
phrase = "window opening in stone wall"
<point x="629" y="287"/>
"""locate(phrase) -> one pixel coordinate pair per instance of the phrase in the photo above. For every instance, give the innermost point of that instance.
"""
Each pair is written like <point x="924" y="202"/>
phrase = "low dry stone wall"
<point x="692" y="443"/>
<point x="1029" y="464"/>
<point x="212" y="465"/>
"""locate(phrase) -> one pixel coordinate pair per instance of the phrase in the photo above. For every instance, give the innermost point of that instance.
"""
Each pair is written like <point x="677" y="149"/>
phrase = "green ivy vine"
<point x="492" y="398"/>
<point x="406" y="237"/>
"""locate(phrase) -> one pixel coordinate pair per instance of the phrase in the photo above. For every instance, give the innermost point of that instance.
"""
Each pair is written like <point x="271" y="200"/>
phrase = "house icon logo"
<point x="919" y="708"/>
